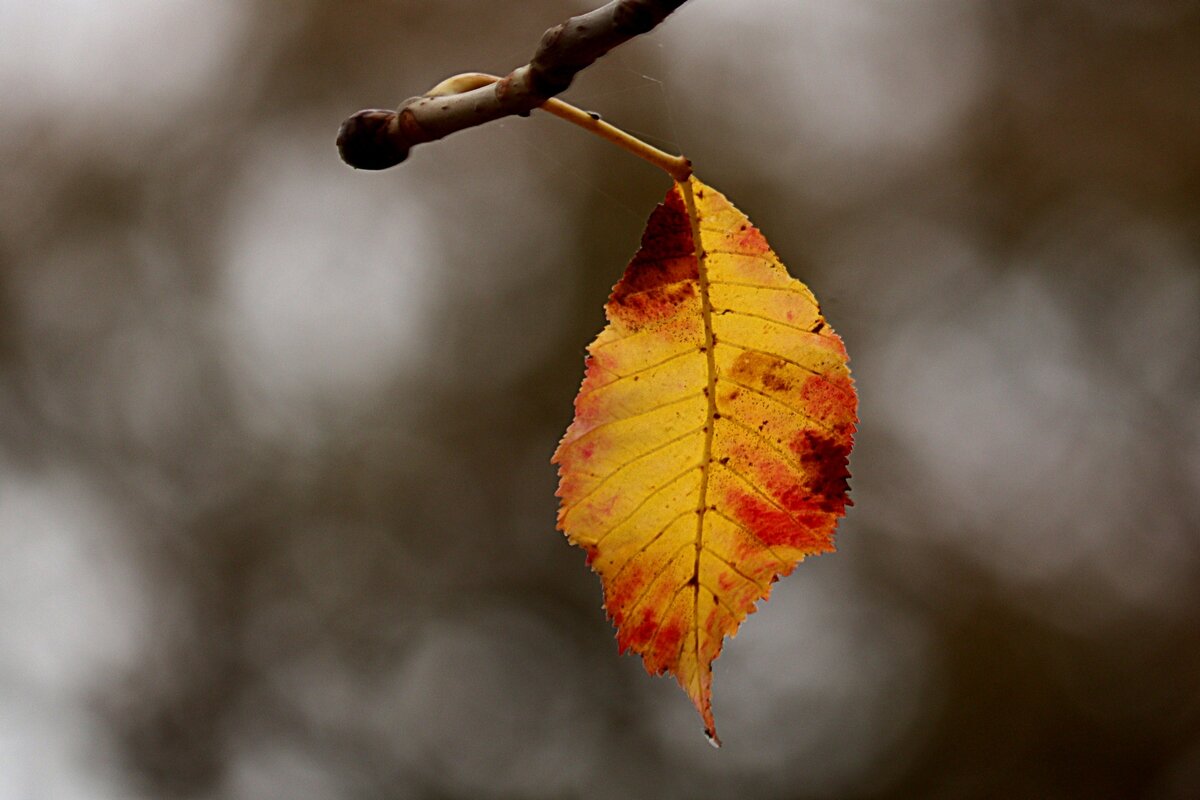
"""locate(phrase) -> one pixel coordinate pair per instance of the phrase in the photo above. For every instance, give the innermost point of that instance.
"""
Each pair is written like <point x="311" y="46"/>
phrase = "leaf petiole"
<point x="677" y="167"/>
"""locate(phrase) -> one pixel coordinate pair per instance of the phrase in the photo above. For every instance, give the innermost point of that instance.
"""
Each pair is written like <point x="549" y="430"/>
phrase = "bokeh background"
<point x="276" y="512"/>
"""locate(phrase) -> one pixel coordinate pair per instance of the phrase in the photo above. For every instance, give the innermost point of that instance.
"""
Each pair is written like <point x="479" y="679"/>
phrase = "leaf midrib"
<point x="710" y="393"/>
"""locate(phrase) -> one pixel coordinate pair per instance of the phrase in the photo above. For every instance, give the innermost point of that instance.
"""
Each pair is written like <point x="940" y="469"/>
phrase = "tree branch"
<point x="380" y="138"/>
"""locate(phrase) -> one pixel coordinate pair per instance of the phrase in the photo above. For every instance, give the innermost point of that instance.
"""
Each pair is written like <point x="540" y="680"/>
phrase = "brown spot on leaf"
<point x="771" y="380"/>
<point x="760" y="369"/>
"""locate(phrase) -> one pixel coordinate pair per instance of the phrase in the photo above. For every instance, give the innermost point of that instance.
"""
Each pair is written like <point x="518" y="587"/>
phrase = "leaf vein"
<point x="666" y="613"/>
<point x="594" y="346"/>
<point x="761" y="494"/>
<point x="772" y="320"/>
<point x="691" y="349"/>
<point x="742" y="253"/>
<point x="784" y="563"/>
<point x="748" y="285"/>
<point x="762" y="586"/>
<point x="628" y="614"/>
<point x="642" y="413"/>
<point x="606" y="476"/>
<point x="659" y="286"/>
<point x="815" y="372"/>
<point x="775" y="399"/>
<point x="636" y="508"/>
<point x="787" y="459"/>
<point x="728" y="608"/>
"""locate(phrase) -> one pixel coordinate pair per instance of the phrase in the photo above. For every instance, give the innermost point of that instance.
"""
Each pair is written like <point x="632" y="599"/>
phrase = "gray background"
<point x="276" y="513"/>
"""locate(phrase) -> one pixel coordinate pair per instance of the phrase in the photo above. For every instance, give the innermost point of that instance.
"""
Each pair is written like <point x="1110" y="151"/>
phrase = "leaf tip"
<point x="713" y="739"/>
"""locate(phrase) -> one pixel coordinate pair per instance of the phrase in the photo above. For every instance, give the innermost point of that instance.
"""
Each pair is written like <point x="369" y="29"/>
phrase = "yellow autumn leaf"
<point x="708" y="452"/>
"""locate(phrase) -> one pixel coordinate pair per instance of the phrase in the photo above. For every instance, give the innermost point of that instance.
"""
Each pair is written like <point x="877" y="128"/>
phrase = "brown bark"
<point x="380" y="138"/>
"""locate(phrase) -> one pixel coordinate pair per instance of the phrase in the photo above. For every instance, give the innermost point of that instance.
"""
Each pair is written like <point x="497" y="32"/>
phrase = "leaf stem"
<point x="677" y="167"/>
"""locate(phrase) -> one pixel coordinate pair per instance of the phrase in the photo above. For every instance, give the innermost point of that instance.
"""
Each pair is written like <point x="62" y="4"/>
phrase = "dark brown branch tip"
<point x="369" y="139"/>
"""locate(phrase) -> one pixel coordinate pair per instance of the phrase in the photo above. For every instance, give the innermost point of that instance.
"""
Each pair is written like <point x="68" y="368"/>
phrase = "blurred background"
<point x="276" y="512"/>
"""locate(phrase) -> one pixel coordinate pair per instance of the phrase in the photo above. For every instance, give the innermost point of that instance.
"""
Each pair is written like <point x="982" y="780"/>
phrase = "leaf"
<point x="709" y="448"/>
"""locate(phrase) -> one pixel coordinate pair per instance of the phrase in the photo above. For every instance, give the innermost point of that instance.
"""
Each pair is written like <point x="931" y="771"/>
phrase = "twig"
<point x="380" y="138"/>
<point x="677" y="167"/>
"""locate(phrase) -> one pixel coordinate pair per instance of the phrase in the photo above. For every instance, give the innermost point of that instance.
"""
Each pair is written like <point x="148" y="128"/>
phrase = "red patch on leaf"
<point x="588" y="411"/>
<point x="666" y="647"/>
<point x="799" y="491"/>
<point x="620" y="593"/>
<point x="773" y="526"/>
<point x="751" y="242"/>
<point x="726" y="580"/>
<point x="825" y="461"/>
<point x="829" y="399"/>
<point x="637" y="636"/>
<point x="664" y="272"/>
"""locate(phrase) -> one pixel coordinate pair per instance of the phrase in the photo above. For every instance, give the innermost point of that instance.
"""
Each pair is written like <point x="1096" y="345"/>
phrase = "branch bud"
<point x="371" y="139"/>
